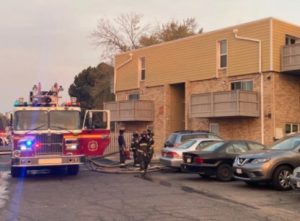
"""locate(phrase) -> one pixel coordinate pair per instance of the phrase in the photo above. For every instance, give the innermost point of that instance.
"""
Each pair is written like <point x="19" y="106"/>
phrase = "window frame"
<point x="222" y="54"/>
<point x="291" y="125"/>
<point x="290" y="40"/>
<point x="131" y="97"/>
<point x="142" y="68"/>
<point x="242" y="82"/>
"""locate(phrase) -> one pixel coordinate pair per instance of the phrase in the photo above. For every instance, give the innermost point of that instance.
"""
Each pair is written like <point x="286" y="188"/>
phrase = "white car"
<point x="172" y="157"/>
<point x="295" y="179"/>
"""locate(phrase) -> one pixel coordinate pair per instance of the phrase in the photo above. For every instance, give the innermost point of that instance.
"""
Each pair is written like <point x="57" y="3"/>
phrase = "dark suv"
<point x="178" y="137"/>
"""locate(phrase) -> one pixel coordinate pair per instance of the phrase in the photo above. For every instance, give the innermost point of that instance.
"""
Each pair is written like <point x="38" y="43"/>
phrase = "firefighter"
<point x="151" y="143"/>
<point x="144" y="152"/>
<point x="134" y="147"/>
<point x="122" y="147"/>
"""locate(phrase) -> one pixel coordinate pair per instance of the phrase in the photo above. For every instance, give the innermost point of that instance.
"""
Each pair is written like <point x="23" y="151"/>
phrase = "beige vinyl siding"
<point x="184" y="61"/>
<point x="280" y="29"/>
<point x="126" y="75"/>
<point x="195" y="58"/>
<point x="243" y="54"/>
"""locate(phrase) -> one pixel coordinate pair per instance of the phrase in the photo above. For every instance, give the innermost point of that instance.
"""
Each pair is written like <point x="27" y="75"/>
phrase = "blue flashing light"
<point x="28" y="143"/>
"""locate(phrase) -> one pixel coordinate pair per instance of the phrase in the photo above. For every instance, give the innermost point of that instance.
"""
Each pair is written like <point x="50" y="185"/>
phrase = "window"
<point x="290" y="40"/>
<point x="134" y="96"/>
<point x="291" y="128"/>
<point x="222" y="54"/>
<point x="287" y="143"/>
<point x="239" y="147"/>
<point x="255" y="146"/>
<point x="242" y="85"/>
<point x="142" y="68"/>
<point x="203" y="144"/>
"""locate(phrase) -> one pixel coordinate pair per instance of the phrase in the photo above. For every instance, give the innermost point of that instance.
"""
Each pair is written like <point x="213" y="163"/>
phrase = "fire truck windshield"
<point x="44" y="120"/>
<point x="64" y="120"/>
<point x="30" y="120"/>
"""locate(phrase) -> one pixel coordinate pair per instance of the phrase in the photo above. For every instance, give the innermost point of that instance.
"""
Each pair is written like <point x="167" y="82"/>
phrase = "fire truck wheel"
<point x="73" y="170"/>
<point x="17" y="171"/>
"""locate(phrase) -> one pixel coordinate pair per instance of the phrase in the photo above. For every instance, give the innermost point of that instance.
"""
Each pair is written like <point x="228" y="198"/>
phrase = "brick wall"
<point x="281" y="106"/>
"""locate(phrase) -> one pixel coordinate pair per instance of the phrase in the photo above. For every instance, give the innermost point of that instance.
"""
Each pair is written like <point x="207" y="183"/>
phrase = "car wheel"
<point x="281" y="178"/>
<point x="224" y="172"/>
<point x="73" y="170"/>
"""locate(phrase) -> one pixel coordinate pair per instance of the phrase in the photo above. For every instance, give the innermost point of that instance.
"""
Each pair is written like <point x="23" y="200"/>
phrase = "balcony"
<point x="225" y="104"/>
<point x="290" y="58"/>
<point x="131" y="110"/>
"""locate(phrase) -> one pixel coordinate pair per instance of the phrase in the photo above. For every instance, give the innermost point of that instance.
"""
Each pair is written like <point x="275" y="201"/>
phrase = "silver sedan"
<point x="172" y="157"/>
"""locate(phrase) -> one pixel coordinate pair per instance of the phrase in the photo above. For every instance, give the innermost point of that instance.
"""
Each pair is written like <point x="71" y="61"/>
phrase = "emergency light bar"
<point x="39" y="98"/>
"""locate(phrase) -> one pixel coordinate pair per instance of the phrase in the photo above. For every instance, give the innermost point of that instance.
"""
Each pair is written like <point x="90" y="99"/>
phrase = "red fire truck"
<point x="45" y="134"/>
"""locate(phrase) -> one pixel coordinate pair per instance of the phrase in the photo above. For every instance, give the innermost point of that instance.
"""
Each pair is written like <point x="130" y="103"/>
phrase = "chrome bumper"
<point x="41" y="161"/>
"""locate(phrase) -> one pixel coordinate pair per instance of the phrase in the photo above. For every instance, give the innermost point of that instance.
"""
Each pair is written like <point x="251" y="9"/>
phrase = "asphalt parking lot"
<point x="281" y="204"/>
<point x="284" y="204"/>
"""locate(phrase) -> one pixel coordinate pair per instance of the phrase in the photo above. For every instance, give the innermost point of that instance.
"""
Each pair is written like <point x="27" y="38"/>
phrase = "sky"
<point x="48" y="41"/>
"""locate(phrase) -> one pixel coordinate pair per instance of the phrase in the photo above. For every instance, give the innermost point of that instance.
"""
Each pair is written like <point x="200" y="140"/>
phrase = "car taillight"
<point x="198" y="160"/>
<point x="172" y="155"/>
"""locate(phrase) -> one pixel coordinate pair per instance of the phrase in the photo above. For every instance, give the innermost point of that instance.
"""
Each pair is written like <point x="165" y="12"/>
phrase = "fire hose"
<point x="94" y="165"/>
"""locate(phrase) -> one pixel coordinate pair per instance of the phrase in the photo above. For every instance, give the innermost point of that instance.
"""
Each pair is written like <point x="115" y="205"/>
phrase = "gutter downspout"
<point x="235" y="31"/>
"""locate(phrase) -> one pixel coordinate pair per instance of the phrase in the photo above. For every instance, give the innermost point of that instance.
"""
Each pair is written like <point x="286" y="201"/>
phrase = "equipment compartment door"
<point x="95" y="136"/>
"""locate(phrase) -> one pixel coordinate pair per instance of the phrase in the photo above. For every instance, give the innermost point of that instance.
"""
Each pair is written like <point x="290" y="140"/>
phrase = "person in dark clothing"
<point x="144" y="153"/>
<point x="151" y="143"/>
<point x="134" y="147"/>
<point x="122" y="147"/>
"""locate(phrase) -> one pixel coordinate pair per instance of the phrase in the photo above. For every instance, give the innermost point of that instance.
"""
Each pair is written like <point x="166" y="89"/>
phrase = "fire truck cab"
<point x="45" y="134"/>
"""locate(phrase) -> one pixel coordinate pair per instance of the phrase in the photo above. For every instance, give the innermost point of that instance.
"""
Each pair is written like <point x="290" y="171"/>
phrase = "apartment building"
<point x="241" y="82"/>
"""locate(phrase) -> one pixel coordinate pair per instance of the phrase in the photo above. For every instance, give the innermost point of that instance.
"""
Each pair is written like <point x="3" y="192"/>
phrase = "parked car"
<point x="295" y="179"/>
<point x="274" y="165"/>
<point x="217" y="158"/>
<point x="172" y="157"/>
<point x="178" y="137"/>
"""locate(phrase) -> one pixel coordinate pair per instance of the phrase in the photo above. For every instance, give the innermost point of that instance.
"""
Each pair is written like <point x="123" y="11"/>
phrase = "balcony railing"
<point x="131" y="110"/>
<point x="225" y="104"/>
<point x="290" y="58"/>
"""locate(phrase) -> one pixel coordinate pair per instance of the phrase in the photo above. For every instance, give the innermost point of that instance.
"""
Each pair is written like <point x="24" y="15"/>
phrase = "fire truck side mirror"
<point x="90" y="120"/>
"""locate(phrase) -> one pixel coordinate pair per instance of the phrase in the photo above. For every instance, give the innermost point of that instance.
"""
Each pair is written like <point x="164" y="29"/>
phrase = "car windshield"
<point x="187" y="144"/>
<point x="213" y="147"/>
<point x="288" y="143"/>
<point x="64" y="120"/>
<point x="30" y="120"/>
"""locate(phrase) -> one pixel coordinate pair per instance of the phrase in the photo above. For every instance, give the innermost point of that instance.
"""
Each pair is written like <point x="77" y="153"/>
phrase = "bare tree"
<point x="121" y="35"/>
<point x="126" y="33"/>
<point x="171" y="31"/>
